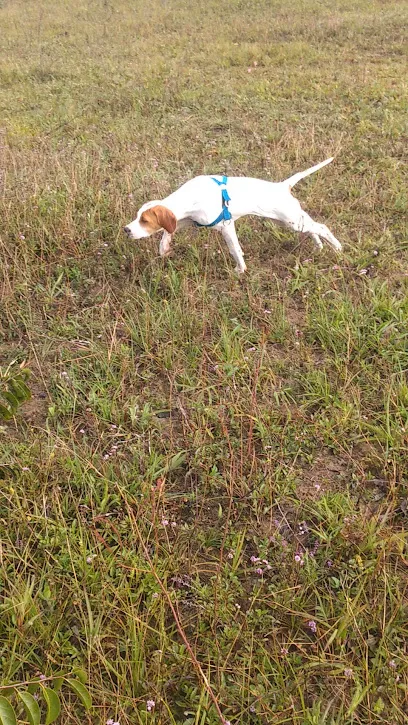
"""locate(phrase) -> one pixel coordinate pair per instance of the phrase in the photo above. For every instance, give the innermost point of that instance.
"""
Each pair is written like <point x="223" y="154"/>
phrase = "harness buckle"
<point x="225" y="197"/>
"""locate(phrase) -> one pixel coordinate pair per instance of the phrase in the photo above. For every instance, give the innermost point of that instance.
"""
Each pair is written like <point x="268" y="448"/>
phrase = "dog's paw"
<point x="240" y="269"/>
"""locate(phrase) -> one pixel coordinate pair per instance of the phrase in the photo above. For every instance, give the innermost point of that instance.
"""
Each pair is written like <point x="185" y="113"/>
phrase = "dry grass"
<point x="266" y="418"/>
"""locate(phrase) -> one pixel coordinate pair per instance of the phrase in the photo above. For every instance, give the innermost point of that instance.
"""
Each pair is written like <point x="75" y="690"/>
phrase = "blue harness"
<point x="225" y="213"/>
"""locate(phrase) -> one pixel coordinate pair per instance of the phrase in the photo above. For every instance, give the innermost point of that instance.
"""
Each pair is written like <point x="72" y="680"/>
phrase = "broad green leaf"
<point x="11" y="399"/>
<point x="7" y="714"/>
<point x="31" y="707"/>
<point x="20" y="390"/>
<point x="80" y="674"/>
<point x="57" y="683"/>
<point x="5" y="413"/>
<point x="176" y="461"/>
<point x="82" y="692"/>
<point x="53" y="705"/>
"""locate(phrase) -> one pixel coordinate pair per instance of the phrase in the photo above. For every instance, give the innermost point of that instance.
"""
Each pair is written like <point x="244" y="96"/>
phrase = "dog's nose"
<point x="126" y="230"/>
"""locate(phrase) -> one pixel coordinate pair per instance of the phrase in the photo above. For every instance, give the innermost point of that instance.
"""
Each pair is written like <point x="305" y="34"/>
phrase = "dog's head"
<point x="151" y="217"/>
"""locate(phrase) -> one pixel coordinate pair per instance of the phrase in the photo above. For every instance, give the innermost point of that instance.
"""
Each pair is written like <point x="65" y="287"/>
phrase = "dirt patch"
<point x="34" y="411"/>
<point x="326" y="473"/>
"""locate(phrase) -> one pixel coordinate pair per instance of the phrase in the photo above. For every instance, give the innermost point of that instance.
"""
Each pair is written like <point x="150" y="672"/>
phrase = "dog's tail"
<point x="301" y="175"/>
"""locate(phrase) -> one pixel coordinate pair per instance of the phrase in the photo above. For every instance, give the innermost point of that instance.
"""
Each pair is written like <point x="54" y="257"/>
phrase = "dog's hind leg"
<point x="320" y="230"/>
<point x="317" y="240"/>
<point x="299" y="221"/>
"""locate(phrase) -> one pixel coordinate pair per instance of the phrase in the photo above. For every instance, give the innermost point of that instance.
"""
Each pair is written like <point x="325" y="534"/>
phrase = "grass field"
<point x="207" y="492"/>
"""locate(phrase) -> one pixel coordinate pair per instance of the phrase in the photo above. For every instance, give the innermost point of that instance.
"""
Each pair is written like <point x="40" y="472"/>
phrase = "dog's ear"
<point x="159" y="217"/>
<point x="166" y="218"/>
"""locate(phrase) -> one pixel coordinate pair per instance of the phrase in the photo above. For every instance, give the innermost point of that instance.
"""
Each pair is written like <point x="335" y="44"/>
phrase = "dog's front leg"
<point x="164" y="249"/>
<point x="230" y="236"/>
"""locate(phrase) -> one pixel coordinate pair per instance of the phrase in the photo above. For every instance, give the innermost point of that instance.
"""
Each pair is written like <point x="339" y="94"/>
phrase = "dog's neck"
<point x="177" y="206"/>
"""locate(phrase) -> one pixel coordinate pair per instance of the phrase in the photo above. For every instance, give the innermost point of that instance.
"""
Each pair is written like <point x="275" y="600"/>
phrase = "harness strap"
<point x="225" y="213"/>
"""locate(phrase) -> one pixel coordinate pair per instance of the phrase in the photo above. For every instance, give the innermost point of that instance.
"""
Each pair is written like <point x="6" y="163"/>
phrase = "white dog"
<point x="217" y="201"/>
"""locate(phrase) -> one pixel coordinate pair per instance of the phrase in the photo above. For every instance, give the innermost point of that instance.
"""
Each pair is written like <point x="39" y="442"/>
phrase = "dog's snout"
<point x="126" y="230"/>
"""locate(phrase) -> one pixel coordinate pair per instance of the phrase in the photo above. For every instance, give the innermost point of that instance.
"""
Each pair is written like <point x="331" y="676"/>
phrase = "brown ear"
<point x="166" y="218"/>
<point x="159" y="217"/>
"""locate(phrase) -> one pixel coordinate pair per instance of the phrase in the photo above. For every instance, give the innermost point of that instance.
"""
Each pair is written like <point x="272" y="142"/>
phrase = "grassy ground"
<point x="223" y="457"/>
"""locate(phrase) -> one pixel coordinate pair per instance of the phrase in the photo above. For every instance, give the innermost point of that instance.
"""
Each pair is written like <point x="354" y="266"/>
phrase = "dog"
<point x="218" y="201"/>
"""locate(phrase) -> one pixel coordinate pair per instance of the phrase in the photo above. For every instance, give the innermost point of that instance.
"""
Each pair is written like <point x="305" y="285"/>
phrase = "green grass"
<point x="183" y="421"/>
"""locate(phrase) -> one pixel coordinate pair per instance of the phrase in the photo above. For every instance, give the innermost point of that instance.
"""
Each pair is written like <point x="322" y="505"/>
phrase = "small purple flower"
<point x="392" y="664"/>
<point x="43" y="677"/>
<point x="348" y="672"/>
<point x="165" y="522"/>
<point x="329" y="563"/>
<point x="230" y="555"/>
<point x="315" y="548"/>
<point x="259" y="571"/>
<point x="25" y="468"/>
<point x="110" y="721"/>
<point x="254" y="559"/>
<point x="150" y="704"/>
<point x="312" y="625"/>
<point x="284" y="651"/>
